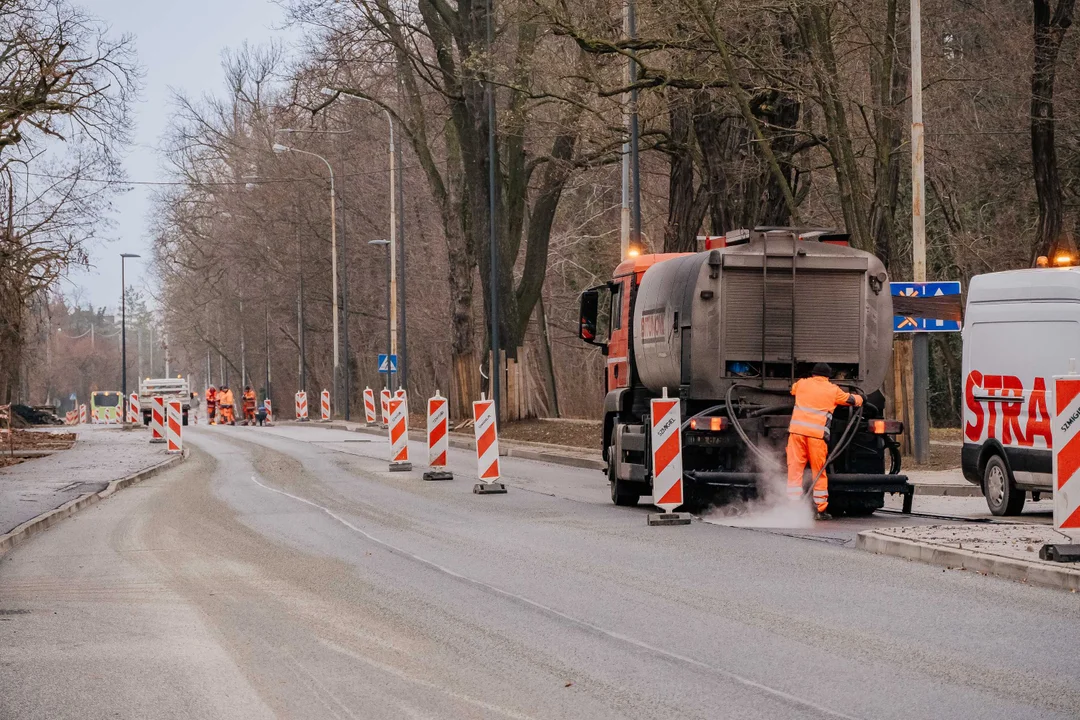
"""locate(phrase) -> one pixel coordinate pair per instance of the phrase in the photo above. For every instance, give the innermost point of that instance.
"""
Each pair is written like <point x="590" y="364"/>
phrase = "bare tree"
<point x="65" y="90"/>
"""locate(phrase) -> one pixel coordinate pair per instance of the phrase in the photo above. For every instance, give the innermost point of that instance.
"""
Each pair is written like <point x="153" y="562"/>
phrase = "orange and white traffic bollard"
<point x="399" y="436"/>
<point x="301" y="405"/>
<point x="174" y="424"/>
<point x="666" y="418"/>
<point x="438" y="440"/>
<point x="157" y="420"/>
<point x="133" y="409"/>
<point x="82" y="414"/>
<point x="269" y="411"/>
<point x="324" y="406"/>
<point x="384" y="397"/>
<point x="1066" y="461"/>
<point x="369" y="407"/>
<point x="487" y="448"/>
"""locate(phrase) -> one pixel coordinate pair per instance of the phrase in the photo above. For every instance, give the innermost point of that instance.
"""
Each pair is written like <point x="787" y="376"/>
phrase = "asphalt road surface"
<point x="285" y="573"/>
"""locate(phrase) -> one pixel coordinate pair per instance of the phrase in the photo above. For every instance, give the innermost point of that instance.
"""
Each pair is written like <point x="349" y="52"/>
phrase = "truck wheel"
<point x="619" y="496"/>
<point x="1002" y="495"/>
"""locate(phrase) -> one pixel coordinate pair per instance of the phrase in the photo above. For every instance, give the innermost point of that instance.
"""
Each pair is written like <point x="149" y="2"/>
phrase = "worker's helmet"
<point x="821" y="370"/>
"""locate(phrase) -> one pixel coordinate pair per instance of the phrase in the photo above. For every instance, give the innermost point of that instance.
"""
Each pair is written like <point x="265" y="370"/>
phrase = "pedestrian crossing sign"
<point x="387" y="363"/>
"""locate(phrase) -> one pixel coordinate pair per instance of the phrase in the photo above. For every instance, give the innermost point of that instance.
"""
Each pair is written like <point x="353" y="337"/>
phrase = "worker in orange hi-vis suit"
<point x="211" y="405"/>
<point x="249" y="406"/>
<point x="225" y="404"/>
<point x="808" y="434"/>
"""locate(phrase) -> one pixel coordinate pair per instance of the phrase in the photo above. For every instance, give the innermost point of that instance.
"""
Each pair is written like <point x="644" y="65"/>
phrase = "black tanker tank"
<point x="762" y="313"/>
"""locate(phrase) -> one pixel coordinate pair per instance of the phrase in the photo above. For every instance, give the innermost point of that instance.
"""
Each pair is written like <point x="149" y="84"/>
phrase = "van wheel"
<point x="619" y="496"/>
<point x="1002" y="495"/>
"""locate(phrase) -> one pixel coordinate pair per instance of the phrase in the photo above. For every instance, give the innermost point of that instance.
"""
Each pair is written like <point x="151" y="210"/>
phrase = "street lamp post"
<point x="123" y="332"/>
<point x="397" y="237"/>
<point x="389" y="315"/>
<point x="279" y="148"/>
<point x="346" y="380"/>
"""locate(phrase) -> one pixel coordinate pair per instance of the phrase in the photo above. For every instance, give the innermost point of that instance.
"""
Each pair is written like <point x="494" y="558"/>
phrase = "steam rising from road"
<point x="774" y="510"/>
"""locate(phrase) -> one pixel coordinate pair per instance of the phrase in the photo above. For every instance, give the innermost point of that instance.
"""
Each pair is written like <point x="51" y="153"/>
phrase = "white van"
<point x="1021" y="329"/>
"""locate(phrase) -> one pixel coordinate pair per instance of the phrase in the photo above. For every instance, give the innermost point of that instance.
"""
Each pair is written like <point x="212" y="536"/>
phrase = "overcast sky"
<point x="179" y="44"/>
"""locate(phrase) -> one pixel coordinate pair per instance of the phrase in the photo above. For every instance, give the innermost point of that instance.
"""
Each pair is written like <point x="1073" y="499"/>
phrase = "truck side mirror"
<point x="589" y="323"/>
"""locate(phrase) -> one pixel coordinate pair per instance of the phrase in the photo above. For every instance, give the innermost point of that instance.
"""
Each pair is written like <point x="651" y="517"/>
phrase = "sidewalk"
<point x="949" y="483"/>
<point x="38" y="492"/>
<point x="1009" y="550"/>
<point x="555" y="454"/>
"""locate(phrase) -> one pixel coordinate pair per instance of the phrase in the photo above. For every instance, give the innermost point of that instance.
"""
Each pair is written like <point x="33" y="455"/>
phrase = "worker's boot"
<point x="822" y="516"/>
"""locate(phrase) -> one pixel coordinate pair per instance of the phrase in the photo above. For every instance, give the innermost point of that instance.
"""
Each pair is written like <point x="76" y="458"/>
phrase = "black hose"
<point x="841" y="445"/>
<point x="768" y="459"/>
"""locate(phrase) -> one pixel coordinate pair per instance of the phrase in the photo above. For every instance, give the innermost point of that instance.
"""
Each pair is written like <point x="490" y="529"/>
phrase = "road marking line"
<point x="739" y="679"/>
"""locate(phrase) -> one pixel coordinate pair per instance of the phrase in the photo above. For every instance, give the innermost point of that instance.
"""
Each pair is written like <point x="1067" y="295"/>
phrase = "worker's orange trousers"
<point x="801" y="449"/>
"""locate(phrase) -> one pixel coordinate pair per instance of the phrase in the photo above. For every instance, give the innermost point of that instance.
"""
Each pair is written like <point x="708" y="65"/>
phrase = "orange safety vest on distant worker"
<point x="815" y="400"/>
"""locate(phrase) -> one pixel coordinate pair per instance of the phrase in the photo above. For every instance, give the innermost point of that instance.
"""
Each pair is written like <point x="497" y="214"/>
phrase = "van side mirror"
<point x="591" y="327"/>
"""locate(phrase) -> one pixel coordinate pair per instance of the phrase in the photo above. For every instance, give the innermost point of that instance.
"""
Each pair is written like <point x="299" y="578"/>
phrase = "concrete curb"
<point x="1046" y="575"/>
<point x="46" y="520"/>
<point x="948" y="490"/>
<point x="541" y="452"/>
<point x="507" y="448"/>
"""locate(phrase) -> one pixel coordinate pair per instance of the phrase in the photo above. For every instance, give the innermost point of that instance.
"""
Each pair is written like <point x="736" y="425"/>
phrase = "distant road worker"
<point x="808" y="434"/>
<point x="249" y="403"/>
<point x="211" y="405"/>
<point x="225" y="404"/>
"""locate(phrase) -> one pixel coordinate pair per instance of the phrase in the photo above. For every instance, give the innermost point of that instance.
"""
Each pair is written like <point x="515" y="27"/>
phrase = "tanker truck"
<point x="728" y="331"/>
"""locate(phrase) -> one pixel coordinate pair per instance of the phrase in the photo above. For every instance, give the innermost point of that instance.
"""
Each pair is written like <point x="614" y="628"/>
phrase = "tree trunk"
<point x="889" y="79"/>
<point x="1049" y="31"/>
<point x="686" y="205"/>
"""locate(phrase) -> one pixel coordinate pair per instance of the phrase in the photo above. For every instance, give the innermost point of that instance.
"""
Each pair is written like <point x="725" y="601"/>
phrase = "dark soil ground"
<point x="576" y="434"/>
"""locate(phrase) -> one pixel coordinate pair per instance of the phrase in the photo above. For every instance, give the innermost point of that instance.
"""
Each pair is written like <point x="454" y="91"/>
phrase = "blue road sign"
<point x="387" y="367"/>
<point x="903" y="324"/>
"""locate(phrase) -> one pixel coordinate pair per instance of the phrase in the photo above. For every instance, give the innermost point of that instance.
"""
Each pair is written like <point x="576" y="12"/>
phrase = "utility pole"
<point x="635" y="198"/>
<point x="496" y="366"/>
<point x="243" y="350"/>
<point x="624" y="214"/>
<point x="403" y="359"/>
<point x="347" y="380"/>
<point x="165" y="341"/>
<point x="266" y="328"/>
<point x="920" y="341"/>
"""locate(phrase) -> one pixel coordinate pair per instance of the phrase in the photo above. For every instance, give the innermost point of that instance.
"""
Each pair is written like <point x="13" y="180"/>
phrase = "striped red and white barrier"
<point x="666" y="452"/>
<point x="1066" y="458"/>
<point x="133" y="409"/>
<point x="400" y="394"/>
<point x="369" y="407"/>
<point x="269" y="410"/>
<point x="399" y="435"/>
<point x="174" y="424"/>
<point x="82" y="414"/>
<point x="384" y="398"/>
<point x="157" y="420"/>
<point x="487" y="447"/>
<point x="324" y="406"/>
<point x="438" y="425"/>
<point x="301" y="405"/>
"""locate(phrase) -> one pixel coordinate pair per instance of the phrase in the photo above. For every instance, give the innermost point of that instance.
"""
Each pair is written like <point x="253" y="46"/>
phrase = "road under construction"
<point x="286" y="572"/>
